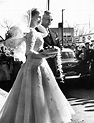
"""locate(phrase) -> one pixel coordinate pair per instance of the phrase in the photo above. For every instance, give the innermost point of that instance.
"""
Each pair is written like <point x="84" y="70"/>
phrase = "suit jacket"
<point x="51" y="40"/>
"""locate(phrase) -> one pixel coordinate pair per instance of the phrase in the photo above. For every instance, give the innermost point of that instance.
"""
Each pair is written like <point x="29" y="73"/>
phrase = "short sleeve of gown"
<point x="30" y="42"/>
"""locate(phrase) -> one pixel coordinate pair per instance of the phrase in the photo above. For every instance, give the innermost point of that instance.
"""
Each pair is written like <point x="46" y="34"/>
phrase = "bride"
<point x="35" y="96"/>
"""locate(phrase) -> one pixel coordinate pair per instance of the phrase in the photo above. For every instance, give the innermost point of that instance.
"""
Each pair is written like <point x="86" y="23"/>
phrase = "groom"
<point x="50" y="40"/>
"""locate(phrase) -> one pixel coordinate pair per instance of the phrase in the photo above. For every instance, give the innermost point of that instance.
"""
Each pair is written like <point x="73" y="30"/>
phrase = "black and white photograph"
<point x="46" y="61"/>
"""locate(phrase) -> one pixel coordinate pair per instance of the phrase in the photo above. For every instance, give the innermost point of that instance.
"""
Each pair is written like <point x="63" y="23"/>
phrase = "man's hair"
<point x="47" y="13"/>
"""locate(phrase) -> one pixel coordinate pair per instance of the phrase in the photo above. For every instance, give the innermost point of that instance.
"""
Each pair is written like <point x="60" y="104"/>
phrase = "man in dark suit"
<point x="89" y="59"/>
<point x="50" y="40"/>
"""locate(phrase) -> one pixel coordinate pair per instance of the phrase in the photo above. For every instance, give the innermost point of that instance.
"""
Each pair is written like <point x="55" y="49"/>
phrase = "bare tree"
<point x="80" y="29"/>
<point x="6" y="24"/>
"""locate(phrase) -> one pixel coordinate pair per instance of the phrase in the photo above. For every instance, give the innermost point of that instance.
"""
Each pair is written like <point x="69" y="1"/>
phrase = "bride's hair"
<point x="32" y="12"/>
<point x="35" y="11"/>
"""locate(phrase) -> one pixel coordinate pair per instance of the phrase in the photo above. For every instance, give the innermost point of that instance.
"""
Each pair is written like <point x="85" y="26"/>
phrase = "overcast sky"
<point x="76" y="12"/>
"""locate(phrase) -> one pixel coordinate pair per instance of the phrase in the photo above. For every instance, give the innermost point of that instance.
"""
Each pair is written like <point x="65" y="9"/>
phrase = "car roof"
<point x="67" y="50"/>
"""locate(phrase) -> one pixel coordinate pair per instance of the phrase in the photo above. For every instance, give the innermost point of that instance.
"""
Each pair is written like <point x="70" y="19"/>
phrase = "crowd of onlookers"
<point x="81" y="49"/>
<point x="84" y="52"/>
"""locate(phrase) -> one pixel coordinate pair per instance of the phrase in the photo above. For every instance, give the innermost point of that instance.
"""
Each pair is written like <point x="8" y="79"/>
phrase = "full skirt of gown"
<point x="35" y="96"/>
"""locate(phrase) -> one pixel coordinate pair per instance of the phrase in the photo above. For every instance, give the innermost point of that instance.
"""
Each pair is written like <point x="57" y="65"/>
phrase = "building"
<point x="68" y="34"/>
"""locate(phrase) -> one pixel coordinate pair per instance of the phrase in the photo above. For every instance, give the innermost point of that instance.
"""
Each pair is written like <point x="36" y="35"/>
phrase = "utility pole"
<point x="48" y="4"/>
<point x="62" y="26"/>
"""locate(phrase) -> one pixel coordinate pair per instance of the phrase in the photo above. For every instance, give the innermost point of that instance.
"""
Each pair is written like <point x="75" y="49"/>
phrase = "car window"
<point x="1" y="39"/>
<point x="66" y="55"/>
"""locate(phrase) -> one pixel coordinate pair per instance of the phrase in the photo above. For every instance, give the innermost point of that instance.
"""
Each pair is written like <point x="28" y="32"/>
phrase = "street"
<point x="81" y="99"/>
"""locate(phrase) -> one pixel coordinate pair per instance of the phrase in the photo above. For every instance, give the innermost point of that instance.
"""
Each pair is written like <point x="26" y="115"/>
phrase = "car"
<point x="72" y="67"/>
<point x="69" y="61"/>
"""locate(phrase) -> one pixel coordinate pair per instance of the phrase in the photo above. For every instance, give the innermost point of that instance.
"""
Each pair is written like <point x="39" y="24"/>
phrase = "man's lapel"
<point x="52" y="36"/>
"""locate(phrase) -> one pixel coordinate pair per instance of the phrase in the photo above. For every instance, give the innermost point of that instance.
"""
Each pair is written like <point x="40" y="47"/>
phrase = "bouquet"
<point x="55" y="51"/>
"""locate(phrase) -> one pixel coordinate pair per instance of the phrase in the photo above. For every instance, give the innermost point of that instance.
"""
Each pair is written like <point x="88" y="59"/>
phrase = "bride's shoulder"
<point x="32" y="30"/>
<point x="30" y="33"/>
<point x="36" y="34"/>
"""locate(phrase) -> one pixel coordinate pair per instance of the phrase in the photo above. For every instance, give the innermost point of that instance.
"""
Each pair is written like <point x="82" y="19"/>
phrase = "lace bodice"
<point x="34" y="41"/>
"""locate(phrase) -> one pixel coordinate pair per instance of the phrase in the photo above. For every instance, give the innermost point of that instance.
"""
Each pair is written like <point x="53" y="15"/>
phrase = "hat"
<point x="82" y="45"/>
<point x="87" y="42"/>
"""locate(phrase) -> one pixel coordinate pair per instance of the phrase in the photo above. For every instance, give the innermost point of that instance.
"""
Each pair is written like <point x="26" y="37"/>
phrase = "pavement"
<point x="3" y="95"/>
<point x="81" y="100"/>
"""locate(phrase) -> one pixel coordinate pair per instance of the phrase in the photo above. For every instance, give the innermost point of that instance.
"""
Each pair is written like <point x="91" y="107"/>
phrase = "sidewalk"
<point x="3" y="95"/>
<point x="82" y="102"/>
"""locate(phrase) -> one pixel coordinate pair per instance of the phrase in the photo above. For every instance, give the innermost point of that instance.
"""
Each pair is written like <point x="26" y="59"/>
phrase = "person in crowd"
<point x="89" y="58"/>
<point x="83" y="66"/>
<point x="88" y="51"/>
<point x="82" y="52"/>
<point x="35" y="96"/>
<point x="50" y="40"/>
<point x="4" y="66"/>
<point x="73" y="47"/>
<point x="77" y="51"/>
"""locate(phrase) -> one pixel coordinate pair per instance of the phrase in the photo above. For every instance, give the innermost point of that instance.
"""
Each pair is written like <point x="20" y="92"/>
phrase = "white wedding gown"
<point x="35" y="96"/>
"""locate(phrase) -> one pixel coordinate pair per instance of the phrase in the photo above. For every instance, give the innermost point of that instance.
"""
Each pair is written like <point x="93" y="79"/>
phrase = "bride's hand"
<point x="42" y="55"/>
<point x="56" y="48"/>
<point x="48" y="55"/>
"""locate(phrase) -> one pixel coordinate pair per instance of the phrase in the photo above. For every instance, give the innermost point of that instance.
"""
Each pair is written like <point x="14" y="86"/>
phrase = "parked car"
<point x="1" y="41"/>
<point x="71" y="66"/>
